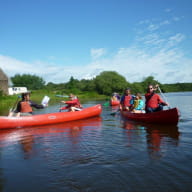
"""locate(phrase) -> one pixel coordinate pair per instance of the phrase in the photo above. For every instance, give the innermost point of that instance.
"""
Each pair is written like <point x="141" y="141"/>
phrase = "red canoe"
<point x="113" y="103"/>
<point x="50" y="118"/>
<point x="170" y="116"/>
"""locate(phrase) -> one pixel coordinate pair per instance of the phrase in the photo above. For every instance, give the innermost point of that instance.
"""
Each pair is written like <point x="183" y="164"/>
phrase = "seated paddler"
<point x="138" y="106"/>
<point x="153" y="101"/>
<point x="126" y="102"/>
<point x="73" y="104"/>
<point x="25" y="106"/>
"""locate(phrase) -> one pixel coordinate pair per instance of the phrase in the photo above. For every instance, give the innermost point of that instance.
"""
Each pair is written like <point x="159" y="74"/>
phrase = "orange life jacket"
<point x="26" y="107"/>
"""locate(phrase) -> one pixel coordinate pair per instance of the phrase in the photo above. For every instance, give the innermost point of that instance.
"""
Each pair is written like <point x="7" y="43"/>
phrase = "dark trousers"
<point x="151" y="110"/>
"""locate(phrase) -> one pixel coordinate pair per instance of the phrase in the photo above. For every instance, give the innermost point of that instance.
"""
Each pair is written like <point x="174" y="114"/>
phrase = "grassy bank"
<point x="37" y="96"/>
<point x="7" y="102"/>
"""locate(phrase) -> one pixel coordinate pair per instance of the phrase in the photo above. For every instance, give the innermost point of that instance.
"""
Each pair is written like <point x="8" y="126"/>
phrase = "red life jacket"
<point x="127" y="100"/>
<point x="26" y="107"/>
<point x="74" y="103"/>
<point x="153" y="101"/>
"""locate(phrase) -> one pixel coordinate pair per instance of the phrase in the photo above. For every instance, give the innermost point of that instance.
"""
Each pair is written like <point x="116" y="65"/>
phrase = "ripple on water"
<point x="105" y="154"/>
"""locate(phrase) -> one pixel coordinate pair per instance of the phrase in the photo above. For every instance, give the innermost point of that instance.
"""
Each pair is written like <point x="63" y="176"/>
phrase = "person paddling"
<point x="73" y="104"/>
<point x="24" y="107"/>
<point x="115" y="97"/>
<point x="153" y="101"/>
<point x="126" y="102"/>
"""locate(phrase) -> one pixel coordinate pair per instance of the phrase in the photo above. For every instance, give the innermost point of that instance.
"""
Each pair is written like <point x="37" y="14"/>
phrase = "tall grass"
<point x="7" y="102"/>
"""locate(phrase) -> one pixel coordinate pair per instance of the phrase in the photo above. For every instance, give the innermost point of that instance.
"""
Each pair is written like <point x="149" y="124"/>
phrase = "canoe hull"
<point x="170" y="116"/>
<point x="50" y="118"/>
<point x="114" y="103"/>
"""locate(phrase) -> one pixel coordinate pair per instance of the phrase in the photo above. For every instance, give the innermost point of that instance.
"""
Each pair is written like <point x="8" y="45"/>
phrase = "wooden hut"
<point x="3" y="82"/>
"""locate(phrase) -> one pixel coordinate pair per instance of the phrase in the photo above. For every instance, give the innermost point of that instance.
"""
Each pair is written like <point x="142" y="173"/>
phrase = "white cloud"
<point x="97" y="53"/>
<point x="153" y="27"/>
<point x="175" y="39"/>
<point x="133" y="63"/>
<point x="168" y="10"/>
<point x="152" y="39"/>
<point x="154" y="52"/>
<point x="176" y="19"/>
<point x="166" y="22"/>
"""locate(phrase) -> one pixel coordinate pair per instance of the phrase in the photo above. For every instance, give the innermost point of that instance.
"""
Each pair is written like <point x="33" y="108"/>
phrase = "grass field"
<point x="7" y="102"/>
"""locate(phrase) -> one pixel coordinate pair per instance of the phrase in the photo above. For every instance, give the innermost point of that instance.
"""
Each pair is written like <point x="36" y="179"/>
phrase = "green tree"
<point x="72" y="84"/>
<point x="32" y="82"/>
<point x="149" y="80"/>
<point x="87" y="85"/>
<point x="137" y="87"/>
<point x="108" y="82"/>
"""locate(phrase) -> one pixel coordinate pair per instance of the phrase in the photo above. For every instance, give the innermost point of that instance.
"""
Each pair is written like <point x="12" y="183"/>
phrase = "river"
<point x="100" y="154"/>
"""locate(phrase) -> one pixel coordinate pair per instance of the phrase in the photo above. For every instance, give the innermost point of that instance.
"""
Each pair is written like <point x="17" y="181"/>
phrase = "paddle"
<point x="115" y="112"/>
<point x="60" y="102"/>
<point x="60" y="108"/>
<point x="106" y="104"/>
<point x="157" y="86"/>
<point x="61" y="96"/>
<point x="14" y="105"/>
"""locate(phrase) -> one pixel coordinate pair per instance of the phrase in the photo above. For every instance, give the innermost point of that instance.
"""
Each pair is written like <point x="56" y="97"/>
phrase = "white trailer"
<point x="16" y="90"/>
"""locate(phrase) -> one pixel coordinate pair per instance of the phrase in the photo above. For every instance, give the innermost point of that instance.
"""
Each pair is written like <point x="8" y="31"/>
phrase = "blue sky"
<point x="57" y="39"/>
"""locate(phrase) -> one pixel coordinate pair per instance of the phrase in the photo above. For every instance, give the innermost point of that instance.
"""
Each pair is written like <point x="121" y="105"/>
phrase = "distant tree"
<point x="51" y="85"/>
<point x="72" y="84"/>
<point x="105" y="83"/>
<point x="137" y="87"/>
<point x="54" y="86"/>
<point x="108" y="82"/>
<point x="32" y="82"/>
<point x="149" y="80"/>
<point x="87" y="85"/>
<point x="178" y="87"/>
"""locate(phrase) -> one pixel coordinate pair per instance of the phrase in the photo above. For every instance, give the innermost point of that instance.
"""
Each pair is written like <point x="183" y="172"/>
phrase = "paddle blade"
<point x="61" y="96"/>
<point x="115" y="112"/>
<point x="106" y="104"/>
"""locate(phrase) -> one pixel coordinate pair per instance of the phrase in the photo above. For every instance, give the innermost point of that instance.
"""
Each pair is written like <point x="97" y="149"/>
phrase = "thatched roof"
<point x="3" y="76"/>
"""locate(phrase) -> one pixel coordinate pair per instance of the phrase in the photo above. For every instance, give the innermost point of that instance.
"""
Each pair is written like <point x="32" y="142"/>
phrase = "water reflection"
<point x="27" y="145"/>
<point x="27" y="138"/>
<point x="125" y="155"/>
<point x="114" y="108"/>
<point x="158" y="137"/>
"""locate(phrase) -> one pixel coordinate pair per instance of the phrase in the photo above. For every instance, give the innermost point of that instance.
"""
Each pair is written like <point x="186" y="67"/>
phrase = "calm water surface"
<point x="100" y="154"/>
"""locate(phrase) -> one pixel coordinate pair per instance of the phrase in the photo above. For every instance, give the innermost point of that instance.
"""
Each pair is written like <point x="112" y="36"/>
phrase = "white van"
<point x="16" y="90"/>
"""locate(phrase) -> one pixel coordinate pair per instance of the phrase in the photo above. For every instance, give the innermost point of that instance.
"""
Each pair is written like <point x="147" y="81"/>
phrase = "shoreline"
<point x="7" y="102"/>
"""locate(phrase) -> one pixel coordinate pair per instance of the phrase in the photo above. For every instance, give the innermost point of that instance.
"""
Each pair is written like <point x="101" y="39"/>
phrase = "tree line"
<point x="105" y="83"/>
